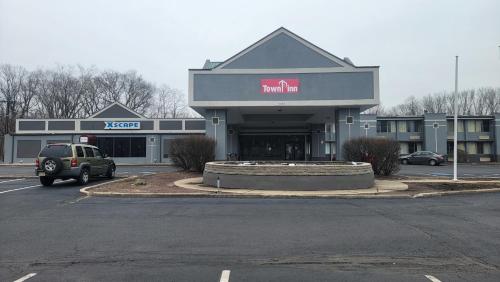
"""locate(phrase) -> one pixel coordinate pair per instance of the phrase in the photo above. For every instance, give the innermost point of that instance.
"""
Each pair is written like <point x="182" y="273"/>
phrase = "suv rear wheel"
<point x="52" y="165"/>
<point x="83" y="179"/>
<point x="46" y="180"/>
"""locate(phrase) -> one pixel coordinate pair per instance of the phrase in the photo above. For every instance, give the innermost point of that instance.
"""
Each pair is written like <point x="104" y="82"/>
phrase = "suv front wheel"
<point x="46" y="180"/>
<point x="83" y="179"/>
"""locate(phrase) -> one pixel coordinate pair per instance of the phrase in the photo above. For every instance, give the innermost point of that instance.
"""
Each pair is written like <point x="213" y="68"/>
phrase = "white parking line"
<point x="12" y="180"/>
<point x="29" y="187"/>
<point x="224" y="277"/>
<point x="432" y="278"/>
<point x="26" y="277"/>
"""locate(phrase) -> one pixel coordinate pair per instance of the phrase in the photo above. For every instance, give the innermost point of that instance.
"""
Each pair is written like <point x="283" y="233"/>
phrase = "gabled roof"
<point x="116" y="110"/>
<point x="336" y="61"/>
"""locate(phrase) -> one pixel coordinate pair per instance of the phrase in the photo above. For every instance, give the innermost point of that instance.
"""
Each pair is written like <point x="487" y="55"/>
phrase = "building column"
<point x="347" y="126"/>
<point x="216" y="128"/>
<point x="497" y="137"/>
<point x="435" y="133"/>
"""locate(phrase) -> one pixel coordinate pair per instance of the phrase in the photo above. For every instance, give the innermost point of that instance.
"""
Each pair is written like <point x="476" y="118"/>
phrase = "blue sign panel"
<point x="122" y="125"/>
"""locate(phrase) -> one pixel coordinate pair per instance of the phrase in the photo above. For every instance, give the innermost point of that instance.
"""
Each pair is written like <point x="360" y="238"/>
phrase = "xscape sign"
<point x="122" y="125"/>
<point x="279" y="86"/>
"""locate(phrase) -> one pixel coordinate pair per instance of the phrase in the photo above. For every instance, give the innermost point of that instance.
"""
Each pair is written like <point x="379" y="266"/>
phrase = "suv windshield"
<point x="57" y="151"/>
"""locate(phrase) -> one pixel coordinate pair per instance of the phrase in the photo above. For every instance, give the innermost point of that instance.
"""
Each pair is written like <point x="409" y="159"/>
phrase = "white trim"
<point x="319" y="103"/>
<point x="291" y="34"/>
<point x="119" y="104"/>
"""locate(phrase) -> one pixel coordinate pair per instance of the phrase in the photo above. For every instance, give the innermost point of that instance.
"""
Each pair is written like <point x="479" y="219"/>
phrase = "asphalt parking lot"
<point x="464" y="170"/>
<point x="56" y="234"/>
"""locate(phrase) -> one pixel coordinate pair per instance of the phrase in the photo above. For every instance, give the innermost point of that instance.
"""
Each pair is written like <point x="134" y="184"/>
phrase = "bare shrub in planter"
<point x="192" y="152"/>
<point x="383" y="154"/>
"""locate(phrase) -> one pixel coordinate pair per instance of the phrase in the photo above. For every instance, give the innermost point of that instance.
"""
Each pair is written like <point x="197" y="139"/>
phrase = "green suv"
<point x="77" y="161"/>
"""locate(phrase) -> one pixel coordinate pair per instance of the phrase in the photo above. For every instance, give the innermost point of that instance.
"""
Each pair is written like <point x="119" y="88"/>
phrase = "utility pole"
<point x="455" y="123"/>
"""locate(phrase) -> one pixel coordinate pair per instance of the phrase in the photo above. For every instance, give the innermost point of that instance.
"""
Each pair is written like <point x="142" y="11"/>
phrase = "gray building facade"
<point x="121" y="133"/>
<point x="282" y="98"/>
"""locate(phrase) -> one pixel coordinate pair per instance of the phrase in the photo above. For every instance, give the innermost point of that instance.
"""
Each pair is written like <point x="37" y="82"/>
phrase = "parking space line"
<point x="432" y="278"/>
<point x="224" y="277"/>
<point x="11" y="180"/>
<point x="22" y="188"/>
<point x="25" y="277"/>
<point x="29" y="187"/>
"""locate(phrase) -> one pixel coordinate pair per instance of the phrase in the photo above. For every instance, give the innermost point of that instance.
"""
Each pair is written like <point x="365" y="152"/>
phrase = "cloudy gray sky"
<point x="414" y="42"/>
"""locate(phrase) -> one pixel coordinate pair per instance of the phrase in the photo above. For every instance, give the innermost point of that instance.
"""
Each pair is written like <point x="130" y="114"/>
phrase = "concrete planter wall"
<point x="289" y="176"/>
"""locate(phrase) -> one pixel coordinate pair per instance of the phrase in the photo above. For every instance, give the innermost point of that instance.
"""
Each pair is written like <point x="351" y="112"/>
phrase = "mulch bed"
<point x="450" y="186"/>
<point x="157" y="183"/>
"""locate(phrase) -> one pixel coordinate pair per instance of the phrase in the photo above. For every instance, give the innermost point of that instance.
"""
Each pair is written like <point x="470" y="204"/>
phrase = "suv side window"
<point x="89" y="152"/>
<point x="97" y="153"/>
<point x="79" y="152"/>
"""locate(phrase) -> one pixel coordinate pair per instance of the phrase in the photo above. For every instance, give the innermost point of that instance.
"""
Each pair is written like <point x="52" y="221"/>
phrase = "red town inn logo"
<point x="279" y="86"/>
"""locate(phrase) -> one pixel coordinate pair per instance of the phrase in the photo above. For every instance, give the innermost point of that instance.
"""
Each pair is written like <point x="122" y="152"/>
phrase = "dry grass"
<point x="157" y="183"/>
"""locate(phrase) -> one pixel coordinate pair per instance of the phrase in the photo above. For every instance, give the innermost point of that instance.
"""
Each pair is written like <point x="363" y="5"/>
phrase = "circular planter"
<point x="306" y="176"/>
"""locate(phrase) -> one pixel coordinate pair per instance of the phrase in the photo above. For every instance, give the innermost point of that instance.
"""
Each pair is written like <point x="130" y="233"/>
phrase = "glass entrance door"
<point x="272" y="147"/>
<point x="294" y="151"/>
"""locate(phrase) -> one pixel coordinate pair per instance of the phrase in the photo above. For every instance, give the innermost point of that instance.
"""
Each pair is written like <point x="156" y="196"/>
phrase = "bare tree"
<point x="169" y="103"/>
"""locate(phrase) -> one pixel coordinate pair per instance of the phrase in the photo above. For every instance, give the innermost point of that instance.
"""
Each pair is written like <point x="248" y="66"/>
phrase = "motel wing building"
<point x="282" y="98"/>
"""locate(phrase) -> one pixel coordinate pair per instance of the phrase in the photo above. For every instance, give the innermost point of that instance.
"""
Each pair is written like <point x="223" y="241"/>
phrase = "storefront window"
<point x="138" y="147"/>
<point x="123" y="147"/>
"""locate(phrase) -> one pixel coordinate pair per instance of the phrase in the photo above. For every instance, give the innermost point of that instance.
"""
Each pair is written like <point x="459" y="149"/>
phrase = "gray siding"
<point x="61" y="125"/>
<point x="92" y="125"/>
<point x="281" y="51"/>
<point x="344" y="131"/>
<point x="32" y="125"/>
<point x="217" y="132"/>
<point x="435" y="138"/>
<point x="171" y="125"/>
<point x="116" y="111"/>
<point x="313" y="86"/>
<point x="195" y="124"/>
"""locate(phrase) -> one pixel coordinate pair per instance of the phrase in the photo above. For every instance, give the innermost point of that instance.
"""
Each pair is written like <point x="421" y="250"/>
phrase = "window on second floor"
<point x="386" y="126"/>
<point x="478" y="126"/>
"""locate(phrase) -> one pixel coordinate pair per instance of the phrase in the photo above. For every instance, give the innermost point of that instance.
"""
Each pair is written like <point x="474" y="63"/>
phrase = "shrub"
<point x="462" y="156"/>
<point x="192" y="152"/>
<point x="382" y="153"/>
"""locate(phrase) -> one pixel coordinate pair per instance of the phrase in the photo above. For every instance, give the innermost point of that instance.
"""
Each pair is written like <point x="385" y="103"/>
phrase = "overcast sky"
<point x="413" y="42"/>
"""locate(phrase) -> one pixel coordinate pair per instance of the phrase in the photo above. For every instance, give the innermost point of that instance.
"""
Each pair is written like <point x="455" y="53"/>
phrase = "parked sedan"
<point x="422" y="157"/>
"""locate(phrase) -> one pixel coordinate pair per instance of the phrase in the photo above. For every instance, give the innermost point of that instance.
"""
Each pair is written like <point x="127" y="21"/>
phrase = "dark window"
<point x="419" y="126"/>
<point x="215" y="120"/>
<point x="97" y="153"/>
<point x="138" y="147"/>
<point x="382" y="126"/>
<point x="122" y="147"/>
<point x="79" y="152"/>
<point x="89" y="152"/>
<point x="57" y="151"/>
<point x="485" y="126"/>
<point x="349" y="120"/>
<point x="105" y="144"/>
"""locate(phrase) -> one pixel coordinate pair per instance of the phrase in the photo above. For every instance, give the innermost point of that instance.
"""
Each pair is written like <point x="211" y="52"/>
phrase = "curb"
<point x="446" y="193"/>
<point x="90" y="193"/>
<point x="210" y="194"/>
